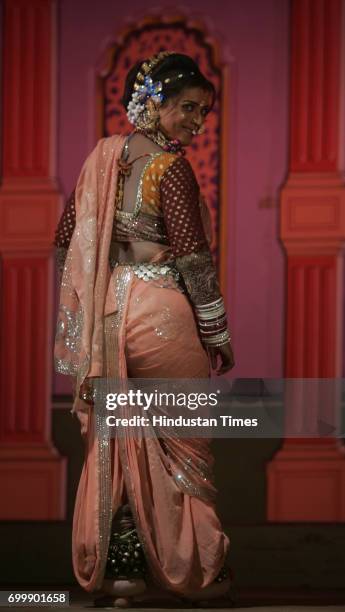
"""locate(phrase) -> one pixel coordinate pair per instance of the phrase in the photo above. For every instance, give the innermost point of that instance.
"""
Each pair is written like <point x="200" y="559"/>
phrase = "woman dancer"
<point x="140" y="299"/>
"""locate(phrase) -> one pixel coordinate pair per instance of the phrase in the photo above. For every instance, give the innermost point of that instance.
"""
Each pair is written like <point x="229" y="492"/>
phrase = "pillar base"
<point x="307" y="483"/>
<point x="32" y="484"/>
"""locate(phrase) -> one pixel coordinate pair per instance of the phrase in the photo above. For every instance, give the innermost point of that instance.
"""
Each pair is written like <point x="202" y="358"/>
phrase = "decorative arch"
<point x="206" y="154"/>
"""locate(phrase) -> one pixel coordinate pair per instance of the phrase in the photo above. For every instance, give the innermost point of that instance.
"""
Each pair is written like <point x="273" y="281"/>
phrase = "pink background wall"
<point x="254" y="37"/>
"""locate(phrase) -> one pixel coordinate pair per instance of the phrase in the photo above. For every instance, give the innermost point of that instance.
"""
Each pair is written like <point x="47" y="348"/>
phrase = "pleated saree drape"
<point x="115" y="325"/>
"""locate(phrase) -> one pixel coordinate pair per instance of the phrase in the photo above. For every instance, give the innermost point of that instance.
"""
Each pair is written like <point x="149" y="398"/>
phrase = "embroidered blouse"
<point x="167" y="211"/>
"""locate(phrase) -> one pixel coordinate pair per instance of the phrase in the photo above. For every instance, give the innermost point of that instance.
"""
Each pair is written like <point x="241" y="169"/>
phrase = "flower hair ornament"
<point x="137" y="106"/>
<point x="138" y="112"/>
<point x="142" y="110"/>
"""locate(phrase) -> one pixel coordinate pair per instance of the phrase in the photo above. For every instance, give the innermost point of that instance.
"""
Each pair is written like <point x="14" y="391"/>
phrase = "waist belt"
<point x="151" y="271"/>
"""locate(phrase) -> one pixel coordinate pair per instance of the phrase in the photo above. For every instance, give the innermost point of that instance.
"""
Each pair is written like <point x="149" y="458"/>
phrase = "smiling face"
<point x="184" y="114"/>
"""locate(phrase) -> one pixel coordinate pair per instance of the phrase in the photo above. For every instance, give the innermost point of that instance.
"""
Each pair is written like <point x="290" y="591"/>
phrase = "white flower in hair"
<point x="136" y="106"/>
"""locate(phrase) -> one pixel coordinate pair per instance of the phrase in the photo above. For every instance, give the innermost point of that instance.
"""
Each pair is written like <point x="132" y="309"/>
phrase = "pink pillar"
<point x="306" y="478"/>
<point x="32" y="474"/>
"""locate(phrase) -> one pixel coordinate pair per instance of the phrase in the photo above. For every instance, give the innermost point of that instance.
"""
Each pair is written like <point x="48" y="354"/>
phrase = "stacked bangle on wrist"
<point x="213" y="323"/>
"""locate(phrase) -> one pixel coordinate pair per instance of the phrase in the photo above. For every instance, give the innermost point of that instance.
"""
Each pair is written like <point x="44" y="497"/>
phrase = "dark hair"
<point x="169" y="68"/>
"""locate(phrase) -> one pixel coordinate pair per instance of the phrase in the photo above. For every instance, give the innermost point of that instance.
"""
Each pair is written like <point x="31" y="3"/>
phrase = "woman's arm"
<point x="180" y="203"/>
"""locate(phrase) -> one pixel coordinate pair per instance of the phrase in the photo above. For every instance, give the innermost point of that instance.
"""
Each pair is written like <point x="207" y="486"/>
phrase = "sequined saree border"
<point x="115" y="337"/>
<point x="112" y="326"/>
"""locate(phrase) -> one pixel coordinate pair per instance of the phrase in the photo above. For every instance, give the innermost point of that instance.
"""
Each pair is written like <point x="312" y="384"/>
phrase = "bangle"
<point x="210" y="305"/>
<point x="210" y="311"/>
<point x="212" y="323"/>
<point x="218" y="343"/>
<point x="212" y="332"/>
<point x="221" y="338"/>
<point x="206" y="324"/>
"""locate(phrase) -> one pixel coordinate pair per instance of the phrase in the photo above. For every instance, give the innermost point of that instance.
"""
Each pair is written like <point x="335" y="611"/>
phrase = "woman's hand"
<point x="86" y="392"/>
<point x="226" y="355"/>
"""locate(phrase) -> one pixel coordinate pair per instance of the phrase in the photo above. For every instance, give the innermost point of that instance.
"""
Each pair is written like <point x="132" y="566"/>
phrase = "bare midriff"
<point x="137" y="252"/>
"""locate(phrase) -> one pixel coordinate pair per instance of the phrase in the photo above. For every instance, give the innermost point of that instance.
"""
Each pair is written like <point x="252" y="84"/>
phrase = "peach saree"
<point x="116" y="325"/>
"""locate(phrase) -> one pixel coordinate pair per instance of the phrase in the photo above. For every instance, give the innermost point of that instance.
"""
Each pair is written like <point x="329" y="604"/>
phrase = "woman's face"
<point x="185" y="114"/>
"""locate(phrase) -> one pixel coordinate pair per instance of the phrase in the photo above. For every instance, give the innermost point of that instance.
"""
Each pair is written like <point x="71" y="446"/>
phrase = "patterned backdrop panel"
<point x="142" y="43"/>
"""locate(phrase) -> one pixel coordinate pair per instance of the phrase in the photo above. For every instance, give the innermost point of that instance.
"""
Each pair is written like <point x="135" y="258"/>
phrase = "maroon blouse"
<point x="180" y="226"/>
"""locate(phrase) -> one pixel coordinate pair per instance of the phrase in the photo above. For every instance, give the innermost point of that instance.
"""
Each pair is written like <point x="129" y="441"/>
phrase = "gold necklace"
<point x="168" y="145"/>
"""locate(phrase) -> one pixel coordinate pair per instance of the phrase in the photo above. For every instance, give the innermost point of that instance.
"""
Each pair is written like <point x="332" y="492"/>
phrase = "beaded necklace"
<point x="170" y="146"/>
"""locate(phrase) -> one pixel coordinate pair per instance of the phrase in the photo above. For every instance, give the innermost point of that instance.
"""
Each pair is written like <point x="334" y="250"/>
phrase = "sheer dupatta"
<point x="79" y="345"/>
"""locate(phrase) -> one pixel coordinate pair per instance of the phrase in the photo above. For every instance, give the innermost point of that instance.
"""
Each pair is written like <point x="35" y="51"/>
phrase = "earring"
<point x="149" y="119"/>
